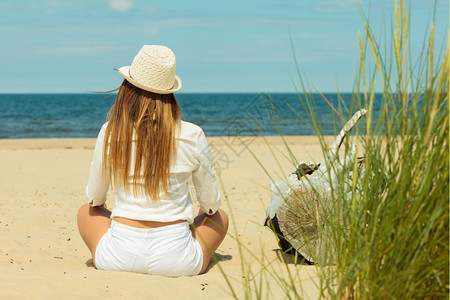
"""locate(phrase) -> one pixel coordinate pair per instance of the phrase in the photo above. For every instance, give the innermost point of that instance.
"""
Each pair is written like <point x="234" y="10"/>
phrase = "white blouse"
<point x="193" y="159"/>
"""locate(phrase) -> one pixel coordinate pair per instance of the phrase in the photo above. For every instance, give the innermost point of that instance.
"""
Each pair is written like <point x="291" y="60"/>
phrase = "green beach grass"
<point x="389" y="234"/>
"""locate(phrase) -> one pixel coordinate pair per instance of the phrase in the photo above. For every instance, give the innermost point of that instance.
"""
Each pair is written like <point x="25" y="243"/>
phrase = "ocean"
<point x="82" y="115"/>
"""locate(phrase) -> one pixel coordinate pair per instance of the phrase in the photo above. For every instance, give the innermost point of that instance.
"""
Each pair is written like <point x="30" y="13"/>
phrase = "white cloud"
<point x="56" y="3"/>
<point x="121" y="5"/>
<point x="72" y="49"/>
<point x="337" y="6"/>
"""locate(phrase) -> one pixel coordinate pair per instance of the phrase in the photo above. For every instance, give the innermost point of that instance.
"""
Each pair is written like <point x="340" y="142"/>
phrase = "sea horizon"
<point x="81" y="115"/>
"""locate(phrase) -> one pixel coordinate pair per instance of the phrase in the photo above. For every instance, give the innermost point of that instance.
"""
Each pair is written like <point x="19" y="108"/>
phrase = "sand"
<point x="42" y="255"/>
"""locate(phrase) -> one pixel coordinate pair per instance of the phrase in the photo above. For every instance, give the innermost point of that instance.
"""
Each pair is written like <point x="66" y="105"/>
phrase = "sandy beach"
<point x="42" y="255"/>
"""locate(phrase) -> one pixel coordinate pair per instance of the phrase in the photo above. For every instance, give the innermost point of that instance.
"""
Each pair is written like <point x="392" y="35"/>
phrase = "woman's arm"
<point x="204" y="178"/>
<point x="97" y="187"/>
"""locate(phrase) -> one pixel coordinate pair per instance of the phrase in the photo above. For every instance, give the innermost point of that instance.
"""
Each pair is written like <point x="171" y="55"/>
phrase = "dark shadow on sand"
<point x="216" y="259"/>
<point x="90" y="263"/>
<point x="291" y="259"/>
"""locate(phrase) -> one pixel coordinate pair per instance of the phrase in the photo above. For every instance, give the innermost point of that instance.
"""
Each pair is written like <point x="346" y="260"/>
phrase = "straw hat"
<point x="153" y="69"/>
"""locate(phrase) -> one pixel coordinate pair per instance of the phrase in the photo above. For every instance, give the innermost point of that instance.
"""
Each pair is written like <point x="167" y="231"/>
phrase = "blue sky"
<point x="59" y="46"/>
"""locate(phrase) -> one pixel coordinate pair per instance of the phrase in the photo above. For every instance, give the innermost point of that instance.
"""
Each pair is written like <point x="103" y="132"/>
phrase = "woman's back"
<point x="192" y="159"/>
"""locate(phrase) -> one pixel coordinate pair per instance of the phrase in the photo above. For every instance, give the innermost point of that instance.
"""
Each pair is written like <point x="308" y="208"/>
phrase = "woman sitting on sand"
<point x="149" y="155"/>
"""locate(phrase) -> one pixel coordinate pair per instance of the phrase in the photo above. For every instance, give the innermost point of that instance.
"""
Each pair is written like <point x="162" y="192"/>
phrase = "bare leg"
<point x="209" y="231"/>
<point x="93" y="222"/>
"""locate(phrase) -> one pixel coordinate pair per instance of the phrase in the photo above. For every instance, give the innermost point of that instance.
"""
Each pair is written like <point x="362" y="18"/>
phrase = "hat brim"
<point x="125" y="72"/>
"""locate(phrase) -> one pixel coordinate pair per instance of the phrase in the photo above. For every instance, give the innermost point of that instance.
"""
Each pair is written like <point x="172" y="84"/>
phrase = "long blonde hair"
<point x="150" y="121"/>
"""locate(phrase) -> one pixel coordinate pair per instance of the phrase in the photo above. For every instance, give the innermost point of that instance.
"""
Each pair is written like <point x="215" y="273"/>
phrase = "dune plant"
<point x="390" y="235"/>
<point x="396" y="242"/>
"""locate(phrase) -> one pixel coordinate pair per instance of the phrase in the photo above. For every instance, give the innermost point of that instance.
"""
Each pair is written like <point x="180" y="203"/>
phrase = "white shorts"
<point x="168" y="250"/>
